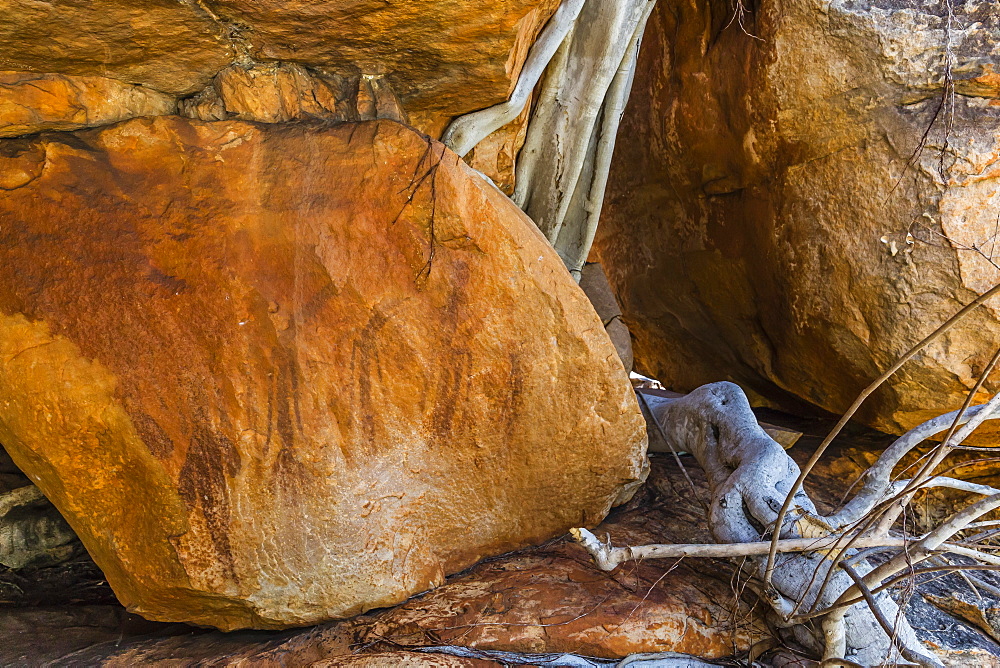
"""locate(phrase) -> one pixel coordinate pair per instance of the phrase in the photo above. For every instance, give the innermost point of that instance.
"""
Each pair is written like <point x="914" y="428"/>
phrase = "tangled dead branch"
<point x="823" y="587"/>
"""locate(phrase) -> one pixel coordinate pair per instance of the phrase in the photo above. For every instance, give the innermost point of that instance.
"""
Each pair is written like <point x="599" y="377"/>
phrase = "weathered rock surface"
<point x="36" y="102"/>
<point x="280" y="92"/>
<point x="443" y="58"/>
<point x="271" y="93"/>
<point x="756" y="226"/>
<point x="496" y="155"/>
<point x="545" y="599"/>
<point x="273" y="375"/>
<point x="174" y="47"/>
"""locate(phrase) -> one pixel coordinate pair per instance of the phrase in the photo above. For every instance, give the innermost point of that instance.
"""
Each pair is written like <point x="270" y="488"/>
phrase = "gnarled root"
<point x="749" y="476"/>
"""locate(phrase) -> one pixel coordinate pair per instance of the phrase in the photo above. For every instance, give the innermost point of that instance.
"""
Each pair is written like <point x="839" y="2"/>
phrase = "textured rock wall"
<point x="275" y="374"/>
<point x="756" y="223"/>
<point x="442" y="58"/>
<point x="35" y="102"/>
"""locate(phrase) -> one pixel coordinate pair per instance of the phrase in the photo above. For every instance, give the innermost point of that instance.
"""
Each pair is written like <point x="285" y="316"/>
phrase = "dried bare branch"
<point x="845" y="418"/>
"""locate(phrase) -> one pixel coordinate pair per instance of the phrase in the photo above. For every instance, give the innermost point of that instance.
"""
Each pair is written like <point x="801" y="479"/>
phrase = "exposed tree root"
<point x="465" y="132"/>
<point x="566" y="660"/>
<point x="823" y="588"/>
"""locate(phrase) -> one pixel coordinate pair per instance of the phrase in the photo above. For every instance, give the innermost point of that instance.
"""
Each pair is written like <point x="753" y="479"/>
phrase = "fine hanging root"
<point x="822" y="573"/>
<point x="587" y="53"/>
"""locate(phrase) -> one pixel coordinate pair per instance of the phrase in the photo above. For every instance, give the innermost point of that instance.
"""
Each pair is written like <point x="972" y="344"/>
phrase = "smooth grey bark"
<point x="463" y="133"/>
<point x="588" y="52"/>
<point x="563" y="168"/>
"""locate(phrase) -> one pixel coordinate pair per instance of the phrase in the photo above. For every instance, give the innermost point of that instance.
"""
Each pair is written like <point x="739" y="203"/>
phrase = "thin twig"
<point x="797" y="485"/>
<point x="673" y="451"/>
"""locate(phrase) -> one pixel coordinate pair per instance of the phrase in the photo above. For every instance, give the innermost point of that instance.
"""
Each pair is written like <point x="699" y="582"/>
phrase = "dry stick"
<point x="882" y="526"/>
<point x="852" y="539"/>
<point x="934" y="541"/>
<point x="779" y="521"/>
<point x="988" y="587"/>
<point x="878" y="487"/>
<point x="874" y="516"/>
<point x="856" y="530"/>
<point x="608" y="557"/>
<point x="886" y="506"/>
<point x="907" y="653"/>
<point x="941" y="451"/>
<point x="801" y="619"/>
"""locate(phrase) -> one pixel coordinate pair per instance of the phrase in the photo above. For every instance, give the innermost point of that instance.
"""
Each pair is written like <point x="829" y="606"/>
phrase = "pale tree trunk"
<point x="588" y="53"/>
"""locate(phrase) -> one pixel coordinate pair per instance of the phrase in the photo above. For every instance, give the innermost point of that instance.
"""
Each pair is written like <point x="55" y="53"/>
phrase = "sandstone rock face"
<point x="274" y="374"/>
<point x="36" y="102"/>
<point x="174" y="47"/>
<point x="547" y="599"/>
<point x="280" y="92"/>
<point x="440" y="55"/>
<point x="757" y="227"/>
<point x="443" y="58"/>
<point x="271" y="93"/>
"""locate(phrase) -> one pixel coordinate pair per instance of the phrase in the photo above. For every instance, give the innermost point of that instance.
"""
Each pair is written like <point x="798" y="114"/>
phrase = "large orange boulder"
<point x="794" y="212"/>
<point x="273" y="375"/>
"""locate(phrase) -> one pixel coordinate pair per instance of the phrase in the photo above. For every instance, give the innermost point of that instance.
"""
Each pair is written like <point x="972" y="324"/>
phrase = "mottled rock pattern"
<point x="443" y="58"/>
<point x="281" y="92"/>
<point x="270" y="93"/>
<point x="36" y="102"/>
<point x="545" y="599"/>
<point x="174" y="47"/>
<point x="274" y="374"/>
<point x="756" y="227"/>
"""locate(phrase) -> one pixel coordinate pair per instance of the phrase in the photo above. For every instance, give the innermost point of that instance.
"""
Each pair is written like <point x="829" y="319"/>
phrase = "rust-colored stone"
<point x="273" y="375"/>
<point x="757" y="219"/>
<point x="442" y="58"/>
<point x="174" y="47"/>
<point x="272" y="93"/>
<point x="36" y="102"/>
